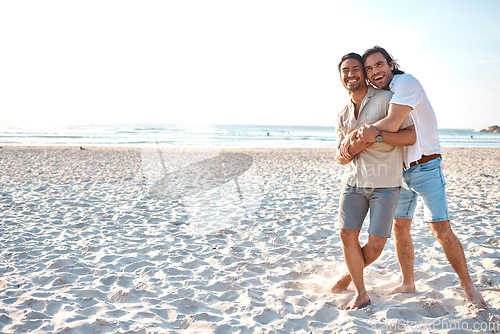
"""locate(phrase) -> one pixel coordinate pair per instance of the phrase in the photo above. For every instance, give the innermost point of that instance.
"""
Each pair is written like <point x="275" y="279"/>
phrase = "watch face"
<point x="379" y="139"/>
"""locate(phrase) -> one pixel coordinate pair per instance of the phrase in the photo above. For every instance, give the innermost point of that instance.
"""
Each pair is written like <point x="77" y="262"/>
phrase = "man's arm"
<point x="352" y="146"/>
<point x="403" y="137"/>
<point x="396" y="115"/>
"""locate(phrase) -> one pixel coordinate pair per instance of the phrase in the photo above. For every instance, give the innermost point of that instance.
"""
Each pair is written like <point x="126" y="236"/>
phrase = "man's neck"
<point x="357" y="98"/>
<point x="388" y="87"/>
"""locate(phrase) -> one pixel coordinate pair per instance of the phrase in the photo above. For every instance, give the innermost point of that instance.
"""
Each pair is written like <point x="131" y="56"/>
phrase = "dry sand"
<point x="106" y="240"/>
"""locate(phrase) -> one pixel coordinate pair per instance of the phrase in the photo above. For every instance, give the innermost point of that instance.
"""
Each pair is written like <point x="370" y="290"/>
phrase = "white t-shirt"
<point x="409" y="92"/>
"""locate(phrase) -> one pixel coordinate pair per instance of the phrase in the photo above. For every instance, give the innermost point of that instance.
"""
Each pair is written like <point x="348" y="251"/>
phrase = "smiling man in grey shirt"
<point x="372" y="177"/>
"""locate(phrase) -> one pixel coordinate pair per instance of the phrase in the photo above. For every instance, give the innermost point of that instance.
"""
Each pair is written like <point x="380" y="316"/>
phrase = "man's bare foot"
<point x="402" y="288"/>
<point x="474" y="296"/>
<point x="358" y="302"/>
<point x="341" y="284"/>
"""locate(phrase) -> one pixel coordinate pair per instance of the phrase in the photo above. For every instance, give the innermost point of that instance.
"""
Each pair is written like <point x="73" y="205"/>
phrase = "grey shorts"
<point x="354" y="205"/>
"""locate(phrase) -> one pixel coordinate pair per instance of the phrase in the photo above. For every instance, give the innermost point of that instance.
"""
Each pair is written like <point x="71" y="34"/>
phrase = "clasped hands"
<point x="358" y="140"/>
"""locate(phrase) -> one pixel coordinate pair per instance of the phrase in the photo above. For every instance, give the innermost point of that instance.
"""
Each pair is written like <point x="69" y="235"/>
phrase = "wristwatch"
<point x="379" y="137"/>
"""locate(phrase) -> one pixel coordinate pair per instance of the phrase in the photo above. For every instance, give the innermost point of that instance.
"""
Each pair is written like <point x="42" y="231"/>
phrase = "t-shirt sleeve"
<point x="407" y="91"/>
<point x="339" y="129"/>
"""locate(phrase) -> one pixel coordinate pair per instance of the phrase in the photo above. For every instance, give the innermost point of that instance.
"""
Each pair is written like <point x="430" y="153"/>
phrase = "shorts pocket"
<point x="431" y="165"/>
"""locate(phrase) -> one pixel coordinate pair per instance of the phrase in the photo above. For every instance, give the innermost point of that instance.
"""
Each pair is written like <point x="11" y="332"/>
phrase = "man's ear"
<point x="391" y="65"/>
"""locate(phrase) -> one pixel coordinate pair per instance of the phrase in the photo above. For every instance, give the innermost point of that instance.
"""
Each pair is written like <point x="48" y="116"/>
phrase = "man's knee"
<point x="402" y="226"/>
<point x="442" y="231"/>
<point x="347" y="235"/>
<point x="376" y="243"/>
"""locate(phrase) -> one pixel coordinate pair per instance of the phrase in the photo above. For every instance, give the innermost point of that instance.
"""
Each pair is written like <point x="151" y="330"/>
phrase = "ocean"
<point x="146" y="135"/>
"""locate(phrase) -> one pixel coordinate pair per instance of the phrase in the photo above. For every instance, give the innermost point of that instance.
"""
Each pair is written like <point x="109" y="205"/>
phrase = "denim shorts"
<point x="427" y="182"/>
<point x="354" y="205"/>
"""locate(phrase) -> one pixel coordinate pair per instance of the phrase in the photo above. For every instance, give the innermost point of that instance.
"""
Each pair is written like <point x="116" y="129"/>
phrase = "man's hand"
<point x="346" y="143"/>
<point x="352" y="145"/>
<point x="357" y="145"/>
<point x="367" y="133"/>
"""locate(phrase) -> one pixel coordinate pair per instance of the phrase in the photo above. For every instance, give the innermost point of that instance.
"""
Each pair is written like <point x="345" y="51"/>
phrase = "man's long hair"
<point x="386" y="55"/>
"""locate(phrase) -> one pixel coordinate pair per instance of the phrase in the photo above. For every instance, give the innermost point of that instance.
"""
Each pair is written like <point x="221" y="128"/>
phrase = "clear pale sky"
<point x="237" y="62"/>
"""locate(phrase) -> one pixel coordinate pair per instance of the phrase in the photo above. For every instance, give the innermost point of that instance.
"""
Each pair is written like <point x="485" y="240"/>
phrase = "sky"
<point x="271" y="62"/>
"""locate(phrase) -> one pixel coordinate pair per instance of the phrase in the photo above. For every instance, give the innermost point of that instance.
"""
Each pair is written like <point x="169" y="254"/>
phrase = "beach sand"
<point x="163" y="240"/>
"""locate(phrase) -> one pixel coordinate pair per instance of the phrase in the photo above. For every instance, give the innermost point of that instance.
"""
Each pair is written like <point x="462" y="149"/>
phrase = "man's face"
<point x="352" y="74"/>
<point x="378" y="71"/>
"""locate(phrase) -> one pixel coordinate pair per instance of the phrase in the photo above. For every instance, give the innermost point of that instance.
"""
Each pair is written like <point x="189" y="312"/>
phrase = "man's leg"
<point x="353" y="207"/>
<point x="382" y="206"/>
<point x="456" y="256"/>
<point x="428" y="181"/>
<point x="405" y="255"/>
<point x="371" y="251"/>
<point x="354" y="260"/>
